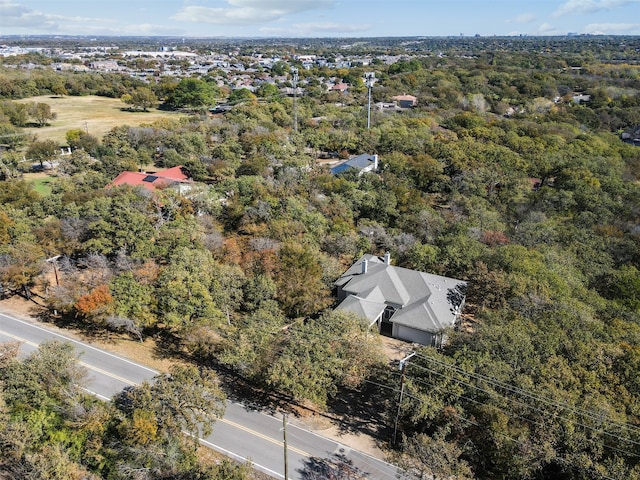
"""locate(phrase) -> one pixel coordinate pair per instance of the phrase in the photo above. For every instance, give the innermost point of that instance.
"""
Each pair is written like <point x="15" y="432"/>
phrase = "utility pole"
<point x="402" y="366"/>
<point x="294" y="72"/>
<point x="369" y="79"/>
<point x="284" y="442"/>
<point x="53" y="261"/>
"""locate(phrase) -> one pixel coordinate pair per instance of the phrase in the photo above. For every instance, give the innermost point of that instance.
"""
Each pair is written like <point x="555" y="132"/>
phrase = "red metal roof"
<point x="151" y="181"/>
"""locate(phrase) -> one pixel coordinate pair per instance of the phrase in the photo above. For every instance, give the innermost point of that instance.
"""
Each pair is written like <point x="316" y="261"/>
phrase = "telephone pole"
<point x="402" y="366"/>
<point x="284" y="442"/>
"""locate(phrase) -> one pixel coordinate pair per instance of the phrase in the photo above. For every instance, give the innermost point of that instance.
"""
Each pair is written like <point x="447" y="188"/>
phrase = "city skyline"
<point x="319" y="18"/>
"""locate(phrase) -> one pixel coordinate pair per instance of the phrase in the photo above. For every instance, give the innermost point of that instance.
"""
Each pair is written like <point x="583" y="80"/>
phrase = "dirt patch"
<point x="145" y="352"/>
<point x="396" y="349"/>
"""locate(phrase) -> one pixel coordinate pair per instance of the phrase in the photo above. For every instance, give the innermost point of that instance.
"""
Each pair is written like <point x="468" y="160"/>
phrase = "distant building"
<point x="361" y="163"/>
<point x="405" y="101"/>
<point x="581" y="97"/>
<point x="151" y="181"/>
<point x="106" y="66"/>
<point x="340" y="87"/>
<point x="631" y="136"/>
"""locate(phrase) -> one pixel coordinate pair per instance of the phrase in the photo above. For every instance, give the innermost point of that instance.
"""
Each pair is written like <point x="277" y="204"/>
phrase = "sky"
<point x="318" y="18"/>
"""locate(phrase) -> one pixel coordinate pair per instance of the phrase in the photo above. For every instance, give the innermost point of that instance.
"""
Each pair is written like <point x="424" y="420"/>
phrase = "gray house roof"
<point x="362" y="307"/>
<point x="360" y="162"/>
<point x="422" y="301"/>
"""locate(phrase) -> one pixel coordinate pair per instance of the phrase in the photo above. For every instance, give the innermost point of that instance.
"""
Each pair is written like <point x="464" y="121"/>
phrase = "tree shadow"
<point x="335" y="467"/>
<point x="68" y="322"/>
<point x="364" y="411"/>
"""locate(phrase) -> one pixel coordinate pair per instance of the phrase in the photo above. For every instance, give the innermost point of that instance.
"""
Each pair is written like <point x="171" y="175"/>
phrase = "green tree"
<point x="316" y="357"/>
<point x="52" y="373"/>
<point x="59" y="89"/>
<point x="12" y="136"/>
<point x="20" y="265"/>
<point x="193" y="93"/>
<point x="184" y="400"/>
<point x="43" y="151"/>
<point x="240" y="95"/>
<point x="184" y="290"/>
<point x="18" y="113"/>
<point x="433" y="457"/>
<point x="42" y="113"/>
<point x="268" y="91"/>
<point x="80" y="139"/>
<point x="141" y="97"/>
<point x="301" y="290"/>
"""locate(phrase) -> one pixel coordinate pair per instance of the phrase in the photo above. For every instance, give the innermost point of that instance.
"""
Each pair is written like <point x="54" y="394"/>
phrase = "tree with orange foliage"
<point x="96" y="304"/>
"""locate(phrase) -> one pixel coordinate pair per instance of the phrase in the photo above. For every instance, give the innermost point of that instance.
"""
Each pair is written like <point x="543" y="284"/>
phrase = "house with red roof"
<point x="151" y="181"/>
<point x="340" y="87"/>
<point x="405" y="101"/>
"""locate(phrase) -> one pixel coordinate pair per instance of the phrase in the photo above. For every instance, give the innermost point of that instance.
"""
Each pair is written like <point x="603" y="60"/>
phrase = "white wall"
<point x="412" y="335"/>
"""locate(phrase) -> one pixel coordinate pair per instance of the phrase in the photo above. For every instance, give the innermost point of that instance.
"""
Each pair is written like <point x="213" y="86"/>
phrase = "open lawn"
<point x="97" y="115"/>
<point x="42" y="185"/>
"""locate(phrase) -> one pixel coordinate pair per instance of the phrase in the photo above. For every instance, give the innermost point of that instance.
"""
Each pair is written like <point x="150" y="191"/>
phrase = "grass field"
<point x="42" y="185"/>
<point x="97" y="115"/>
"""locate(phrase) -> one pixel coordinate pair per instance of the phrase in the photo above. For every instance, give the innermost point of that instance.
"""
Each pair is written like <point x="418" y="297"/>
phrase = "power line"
<point x="531" y="407"/>
<point x="492" y="381"/>
<point x="534" y="422"/>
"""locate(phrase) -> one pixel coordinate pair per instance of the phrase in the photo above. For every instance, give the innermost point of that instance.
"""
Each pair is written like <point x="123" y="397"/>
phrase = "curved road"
<point x="243" y="434"/>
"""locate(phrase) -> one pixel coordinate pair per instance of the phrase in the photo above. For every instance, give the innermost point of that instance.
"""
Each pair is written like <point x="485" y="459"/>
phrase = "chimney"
<point x="387" y="258"/>
<point x="375" y="162"/>
<point x="365" y="265"/>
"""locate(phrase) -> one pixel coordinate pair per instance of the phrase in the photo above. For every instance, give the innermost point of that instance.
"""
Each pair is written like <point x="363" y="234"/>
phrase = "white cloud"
<point x="316" y="29"/>
<point x="16" y="17"/>
<point x="547" y="29"/>
<point x="612" y="28"/>
<point x="589" y="6"/>
<point x="249" y="12"/>
<point x="524" y="18"/>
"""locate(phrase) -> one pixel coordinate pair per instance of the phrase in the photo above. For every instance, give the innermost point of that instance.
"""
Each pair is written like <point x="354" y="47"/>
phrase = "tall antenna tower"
<point x="294" y="72"/>
<point x="370" y="78"/>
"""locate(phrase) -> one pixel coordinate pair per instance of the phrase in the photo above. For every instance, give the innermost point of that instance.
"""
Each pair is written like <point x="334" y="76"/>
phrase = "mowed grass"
<point x="42" y="185"/>
<point x="96" y="115"/>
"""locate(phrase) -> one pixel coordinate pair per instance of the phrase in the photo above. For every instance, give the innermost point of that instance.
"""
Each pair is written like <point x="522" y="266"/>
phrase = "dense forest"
<point x="510" y="174"/>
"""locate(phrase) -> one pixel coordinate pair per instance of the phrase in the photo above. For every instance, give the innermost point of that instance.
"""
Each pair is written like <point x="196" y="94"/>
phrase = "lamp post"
<point x="370" y="78"/>
<point x="294" y="72"/>
<point x="402" y="366"/>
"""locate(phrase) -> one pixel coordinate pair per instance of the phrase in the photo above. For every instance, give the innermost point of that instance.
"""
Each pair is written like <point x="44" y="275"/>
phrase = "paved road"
<point x="243" y="433"/>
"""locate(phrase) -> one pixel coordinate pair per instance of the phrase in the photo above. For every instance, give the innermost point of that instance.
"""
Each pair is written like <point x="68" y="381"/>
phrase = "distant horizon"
<point x="319" y="18"/>
<point x="238" y="37"/>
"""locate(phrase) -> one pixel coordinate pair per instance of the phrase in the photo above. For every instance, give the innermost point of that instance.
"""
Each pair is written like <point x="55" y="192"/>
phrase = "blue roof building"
<point x="361" y="163"/>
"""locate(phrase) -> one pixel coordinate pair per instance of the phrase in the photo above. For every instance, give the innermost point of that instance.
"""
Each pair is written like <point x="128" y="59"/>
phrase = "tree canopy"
<point x="498" y="176"/>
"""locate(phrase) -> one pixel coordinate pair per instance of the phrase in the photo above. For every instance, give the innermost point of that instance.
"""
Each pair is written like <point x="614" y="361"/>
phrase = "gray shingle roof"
<point x="362" y="307"/>
<point x="424" y="301"/>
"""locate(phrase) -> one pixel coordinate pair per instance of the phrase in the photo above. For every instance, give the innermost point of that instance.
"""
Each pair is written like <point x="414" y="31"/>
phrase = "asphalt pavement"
<point x="244" y="433"/>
